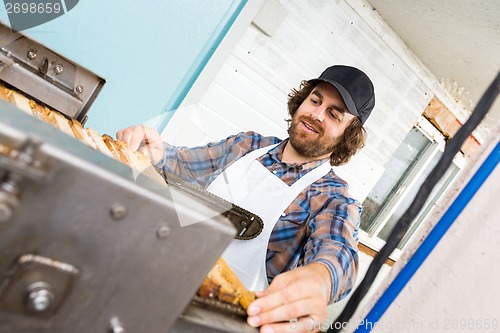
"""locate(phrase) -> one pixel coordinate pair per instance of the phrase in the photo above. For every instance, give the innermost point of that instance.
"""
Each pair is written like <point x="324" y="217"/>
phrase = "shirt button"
<point x="283" y="214"/>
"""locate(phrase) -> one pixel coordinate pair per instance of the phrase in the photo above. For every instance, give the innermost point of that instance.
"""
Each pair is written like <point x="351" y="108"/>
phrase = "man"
<point x="306" y="256"/>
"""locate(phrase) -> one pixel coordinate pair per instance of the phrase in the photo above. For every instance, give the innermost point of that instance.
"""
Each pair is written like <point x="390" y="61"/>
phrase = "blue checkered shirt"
<point x="320" y="225"/>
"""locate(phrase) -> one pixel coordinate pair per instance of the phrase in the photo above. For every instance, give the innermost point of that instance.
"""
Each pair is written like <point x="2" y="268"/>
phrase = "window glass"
<point x="394" y="192"/>
<point x="388" y="186"/>
<point x="408" y="198"/>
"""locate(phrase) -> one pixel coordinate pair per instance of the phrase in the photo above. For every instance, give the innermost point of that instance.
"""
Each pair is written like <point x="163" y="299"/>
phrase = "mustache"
<point x="311" y="122"/>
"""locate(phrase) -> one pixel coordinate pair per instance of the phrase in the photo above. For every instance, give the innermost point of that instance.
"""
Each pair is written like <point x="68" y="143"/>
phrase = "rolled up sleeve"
<point x="334" y="243"/>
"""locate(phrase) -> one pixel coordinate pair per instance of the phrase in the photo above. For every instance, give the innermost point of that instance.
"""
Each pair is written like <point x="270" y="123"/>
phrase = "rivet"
<point x="79" y="89"/>
<point x="163" y="231"/>
<point x="118" y="211"/>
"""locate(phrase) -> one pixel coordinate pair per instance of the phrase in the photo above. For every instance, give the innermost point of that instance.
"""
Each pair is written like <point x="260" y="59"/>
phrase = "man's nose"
<point x="318" y="114"/>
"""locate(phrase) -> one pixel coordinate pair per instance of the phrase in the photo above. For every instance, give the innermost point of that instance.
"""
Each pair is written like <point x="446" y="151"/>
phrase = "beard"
<point x="308" y="144"/>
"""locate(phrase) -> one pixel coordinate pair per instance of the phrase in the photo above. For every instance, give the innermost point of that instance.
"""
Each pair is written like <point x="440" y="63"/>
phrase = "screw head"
<point x="31" y="54"/>
<point x="118" y="211"/>
<point x="58" y="69"/>
<point x="163" y="231"/>
<point x="79" y="89"/>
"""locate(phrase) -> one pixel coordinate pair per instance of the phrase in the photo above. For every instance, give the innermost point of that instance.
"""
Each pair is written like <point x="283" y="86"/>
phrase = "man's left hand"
<point x="295" y="301"/>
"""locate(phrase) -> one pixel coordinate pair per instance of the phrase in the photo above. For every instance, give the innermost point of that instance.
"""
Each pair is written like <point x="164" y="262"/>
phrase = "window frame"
<point x="370" y="237"/>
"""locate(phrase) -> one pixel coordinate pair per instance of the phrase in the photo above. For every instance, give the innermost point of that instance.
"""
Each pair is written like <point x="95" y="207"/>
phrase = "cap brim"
<point x="348" y="101"/>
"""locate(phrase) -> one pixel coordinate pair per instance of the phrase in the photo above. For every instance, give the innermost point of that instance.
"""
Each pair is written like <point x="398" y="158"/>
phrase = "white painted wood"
<point x="220" y="55"/>
<point x="270" y="17"/>
<point x="362" y="172"/>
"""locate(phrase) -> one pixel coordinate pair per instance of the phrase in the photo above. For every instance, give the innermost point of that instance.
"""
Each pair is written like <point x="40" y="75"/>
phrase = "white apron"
<point x="251" y="185"/>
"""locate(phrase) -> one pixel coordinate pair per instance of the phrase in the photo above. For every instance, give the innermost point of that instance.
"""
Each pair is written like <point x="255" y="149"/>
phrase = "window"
<point x="404" y="174"/>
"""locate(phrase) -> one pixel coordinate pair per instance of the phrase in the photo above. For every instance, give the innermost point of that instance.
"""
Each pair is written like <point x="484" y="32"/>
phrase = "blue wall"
<point x="149" y="52"/>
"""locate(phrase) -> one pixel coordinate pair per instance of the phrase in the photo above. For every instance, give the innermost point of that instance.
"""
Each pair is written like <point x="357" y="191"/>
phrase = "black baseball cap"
<point x="354" y="86"/>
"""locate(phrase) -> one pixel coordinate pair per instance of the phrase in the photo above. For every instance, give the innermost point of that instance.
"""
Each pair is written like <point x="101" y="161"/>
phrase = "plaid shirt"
<point x="320" y="225"/>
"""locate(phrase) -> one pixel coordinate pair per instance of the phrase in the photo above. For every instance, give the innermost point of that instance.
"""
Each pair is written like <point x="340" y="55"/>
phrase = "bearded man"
<point x="306" y="256"/>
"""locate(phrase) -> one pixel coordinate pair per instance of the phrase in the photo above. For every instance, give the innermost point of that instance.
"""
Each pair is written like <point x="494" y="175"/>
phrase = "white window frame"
<point x="371" y="239"/>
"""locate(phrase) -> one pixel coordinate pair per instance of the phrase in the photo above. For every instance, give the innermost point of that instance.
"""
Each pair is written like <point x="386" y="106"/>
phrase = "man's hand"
<point x="144" y="139"/>
<point x="295" y="301"/>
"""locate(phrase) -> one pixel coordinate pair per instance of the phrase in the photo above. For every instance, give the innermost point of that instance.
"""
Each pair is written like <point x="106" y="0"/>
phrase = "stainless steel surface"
<point x="18" y="165"/>
<point x="196" y="319"/>
<point x="97" y="268"/>
<point x="46" y="76"/>
<point x="163" y="231"/>
<point x="5" y="212"/>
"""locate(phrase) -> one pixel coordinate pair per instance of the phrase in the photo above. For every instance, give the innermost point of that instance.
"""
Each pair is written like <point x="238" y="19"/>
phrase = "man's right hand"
<point x="143" y="139"/>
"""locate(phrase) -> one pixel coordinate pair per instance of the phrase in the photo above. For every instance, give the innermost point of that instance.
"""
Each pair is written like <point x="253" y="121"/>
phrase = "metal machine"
<point x="87" y="245"/>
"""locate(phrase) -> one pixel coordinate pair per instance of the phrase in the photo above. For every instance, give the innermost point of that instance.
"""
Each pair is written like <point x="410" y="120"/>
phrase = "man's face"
<point x="319" y="122"/>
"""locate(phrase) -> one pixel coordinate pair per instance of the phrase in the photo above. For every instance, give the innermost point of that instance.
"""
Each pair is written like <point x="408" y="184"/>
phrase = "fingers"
<point x="272" y="301"/>
<point x="283" y="313"/>
<point x="283" y="291"/>
<point x="144" y="139"/>
<point x="137" y="136"/>
<point x="134" y="136"/>
<point x="125" y="135"/>
<point x="299" y="293"/>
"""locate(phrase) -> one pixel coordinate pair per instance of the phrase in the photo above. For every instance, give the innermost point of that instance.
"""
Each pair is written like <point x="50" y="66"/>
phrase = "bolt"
<point x="118" y="212"/>
<point x="58" y="69"/>
<point x="5" y="212"/>
<point x="40" y="298"/>
<point x="116" y="325"/>
<point x="79" y="89"/>
<point x="31" y="54"/>
<point x="163" y="232"/>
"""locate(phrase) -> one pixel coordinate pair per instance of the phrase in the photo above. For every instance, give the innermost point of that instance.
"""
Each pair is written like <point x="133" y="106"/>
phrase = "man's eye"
<point x="334" y="115"/>
<point x="314" y="101"/>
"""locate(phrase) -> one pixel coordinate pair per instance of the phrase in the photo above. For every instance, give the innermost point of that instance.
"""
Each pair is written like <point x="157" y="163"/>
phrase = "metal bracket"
<point x="46" y="76"/>
<point x="37" y="285"/>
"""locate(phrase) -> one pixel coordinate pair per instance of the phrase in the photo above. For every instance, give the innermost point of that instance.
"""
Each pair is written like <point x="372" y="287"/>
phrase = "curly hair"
<point x="354" y="135"/>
